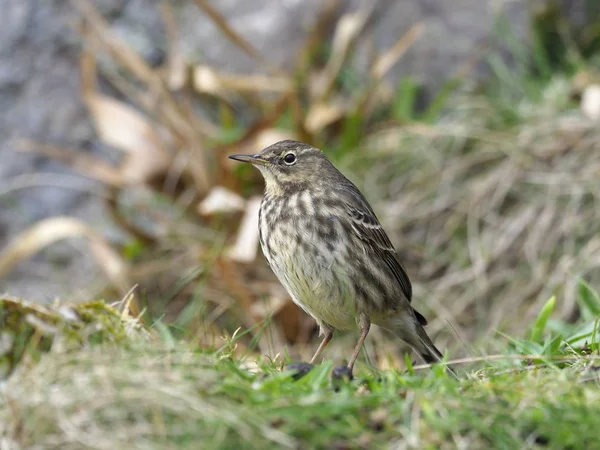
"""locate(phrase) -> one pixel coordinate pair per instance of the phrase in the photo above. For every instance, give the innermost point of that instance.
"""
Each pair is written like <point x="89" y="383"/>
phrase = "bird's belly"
<point x="316" y="280"/>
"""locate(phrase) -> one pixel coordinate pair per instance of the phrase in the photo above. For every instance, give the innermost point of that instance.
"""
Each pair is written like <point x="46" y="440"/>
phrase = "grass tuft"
<point x="154" y="394"/>
<point x="149" y="397"/>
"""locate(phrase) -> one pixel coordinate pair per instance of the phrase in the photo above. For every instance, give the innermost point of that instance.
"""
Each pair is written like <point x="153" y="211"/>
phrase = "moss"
<point x="28" y="330"/>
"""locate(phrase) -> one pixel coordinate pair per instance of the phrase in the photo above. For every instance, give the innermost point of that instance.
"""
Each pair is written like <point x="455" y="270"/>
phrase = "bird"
<point x="325" y="244"/>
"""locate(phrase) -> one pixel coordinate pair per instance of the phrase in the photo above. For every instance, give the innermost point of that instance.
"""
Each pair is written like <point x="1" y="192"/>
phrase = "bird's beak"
<point x="252" y="159"/>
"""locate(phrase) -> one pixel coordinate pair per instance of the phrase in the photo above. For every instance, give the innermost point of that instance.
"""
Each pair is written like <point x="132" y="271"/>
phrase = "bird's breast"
<point x="306" y="252"/>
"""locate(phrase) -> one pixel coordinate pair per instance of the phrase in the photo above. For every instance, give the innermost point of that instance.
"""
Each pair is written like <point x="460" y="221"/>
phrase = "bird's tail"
<point x="412" y="332"/>
<point x="427" y="349"/>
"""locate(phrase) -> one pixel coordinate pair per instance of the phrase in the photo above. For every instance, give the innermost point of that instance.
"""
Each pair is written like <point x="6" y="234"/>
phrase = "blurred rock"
<point x="39" y="94"/>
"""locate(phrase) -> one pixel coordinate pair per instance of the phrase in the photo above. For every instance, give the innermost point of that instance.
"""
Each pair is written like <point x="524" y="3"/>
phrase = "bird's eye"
<point x="290" y="158"/>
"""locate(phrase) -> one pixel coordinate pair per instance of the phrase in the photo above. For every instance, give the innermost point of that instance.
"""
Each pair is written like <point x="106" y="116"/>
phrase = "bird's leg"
<point x="365" y="326"/>
<point x="324" y="342"/>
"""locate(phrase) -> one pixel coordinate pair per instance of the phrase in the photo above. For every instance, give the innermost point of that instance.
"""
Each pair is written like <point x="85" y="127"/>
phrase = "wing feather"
<point x="370" y="231"/>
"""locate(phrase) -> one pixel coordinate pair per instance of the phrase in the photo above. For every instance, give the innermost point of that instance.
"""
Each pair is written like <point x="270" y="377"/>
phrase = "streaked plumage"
<point x="327" y="247"/>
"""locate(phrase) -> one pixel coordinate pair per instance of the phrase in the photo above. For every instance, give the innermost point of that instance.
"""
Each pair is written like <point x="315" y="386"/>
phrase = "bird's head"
<point x="290" y="166"/>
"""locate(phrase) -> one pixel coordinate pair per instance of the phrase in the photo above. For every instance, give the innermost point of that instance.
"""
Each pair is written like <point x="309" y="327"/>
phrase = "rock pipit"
<point x="327" y="247"/>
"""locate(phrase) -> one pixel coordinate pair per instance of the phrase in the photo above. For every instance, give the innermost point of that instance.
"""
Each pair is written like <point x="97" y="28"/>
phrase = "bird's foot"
<point x="299" y="369"/>
<point x="342" y="373"/>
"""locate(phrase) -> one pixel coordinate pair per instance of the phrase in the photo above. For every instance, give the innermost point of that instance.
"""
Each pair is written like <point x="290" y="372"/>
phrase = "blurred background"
<point x="472" y="126"/>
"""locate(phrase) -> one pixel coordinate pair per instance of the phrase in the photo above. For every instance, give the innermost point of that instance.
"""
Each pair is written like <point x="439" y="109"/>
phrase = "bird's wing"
<point x="369" y="230"/>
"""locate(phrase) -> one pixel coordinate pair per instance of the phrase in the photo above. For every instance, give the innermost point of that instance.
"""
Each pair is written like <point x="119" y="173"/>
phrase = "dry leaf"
<point x="246" y="244"/>
<point x="257" y="83"/>
<point x="138" y="168"/>
<point x="590" y="101"/>
<point x="321" y="115"/>
<point x="270" y="306"/>
<point x="124" y="128"/>
<point x="178" y="73"/>
<point x="121" y="126"/>
<point x="48" y="231"/>
<point x="221" y="200"/>
<point x="207" y="80"/>
<point x="269" y="136"/>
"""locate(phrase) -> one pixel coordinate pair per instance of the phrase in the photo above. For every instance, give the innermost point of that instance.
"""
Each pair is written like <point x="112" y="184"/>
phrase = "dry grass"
<point x="494" y="221"/>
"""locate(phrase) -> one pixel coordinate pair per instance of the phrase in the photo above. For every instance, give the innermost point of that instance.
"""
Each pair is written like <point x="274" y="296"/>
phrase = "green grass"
<point x="543" y="391"/>
<point x="148" y="398"/>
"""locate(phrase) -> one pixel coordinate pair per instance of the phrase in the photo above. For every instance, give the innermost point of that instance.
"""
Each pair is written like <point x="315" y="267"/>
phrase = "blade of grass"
<point x="540" y="323"/>
<point x="589" y="299"/>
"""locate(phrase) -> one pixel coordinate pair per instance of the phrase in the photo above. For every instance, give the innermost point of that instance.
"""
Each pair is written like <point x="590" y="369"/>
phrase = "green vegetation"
<point x="27" y="331"/>
<point x="542" y="392"/>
